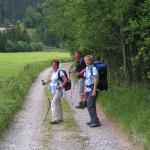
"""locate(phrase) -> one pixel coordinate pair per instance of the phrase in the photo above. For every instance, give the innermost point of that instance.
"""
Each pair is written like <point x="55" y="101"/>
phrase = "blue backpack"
<point x="102" y="72"/>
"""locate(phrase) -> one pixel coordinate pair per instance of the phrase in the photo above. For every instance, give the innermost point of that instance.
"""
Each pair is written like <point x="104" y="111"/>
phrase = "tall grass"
<point x="13" y="90"/>
<point x="131" y="107"/>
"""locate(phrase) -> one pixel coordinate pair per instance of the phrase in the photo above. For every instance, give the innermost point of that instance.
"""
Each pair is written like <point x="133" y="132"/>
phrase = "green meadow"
<point x="12" y="63"/>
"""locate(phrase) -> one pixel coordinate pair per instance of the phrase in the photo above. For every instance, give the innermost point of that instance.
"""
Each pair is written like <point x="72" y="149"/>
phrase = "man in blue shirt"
<point x="91" y="80"/>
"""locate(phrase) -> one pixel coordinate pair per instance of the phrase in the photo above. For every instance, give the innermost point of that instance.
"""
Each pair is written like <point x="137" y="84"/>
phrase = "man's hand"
<point x="95" y="86"/>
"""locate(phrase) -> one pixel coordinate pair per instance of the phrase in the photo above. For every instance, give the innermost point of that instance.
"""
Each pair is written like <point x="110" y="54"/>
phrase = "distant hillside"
<point x="13" y="10"/>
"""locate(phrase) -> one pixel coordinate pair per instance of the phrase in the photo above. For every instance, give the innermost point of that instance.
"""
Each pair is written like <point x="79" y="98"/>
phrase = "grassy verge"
<point x="70" y="124"/>
<point x="13" y="90"/>
<point x="131" y="107"/>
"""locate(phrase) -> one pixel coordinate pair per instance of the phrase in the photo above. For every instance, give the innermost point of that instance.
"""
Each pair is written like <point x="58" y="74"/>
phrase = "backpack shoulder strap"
<point x="63" y="72"/>
<point x="59" y="74"/>
<point x="91" y="69"/>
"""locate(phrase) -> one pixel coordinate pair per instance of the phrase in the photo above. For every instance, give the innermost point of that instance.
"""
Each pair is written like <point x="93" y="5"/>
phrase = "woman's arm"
<point x="46" y="82"/>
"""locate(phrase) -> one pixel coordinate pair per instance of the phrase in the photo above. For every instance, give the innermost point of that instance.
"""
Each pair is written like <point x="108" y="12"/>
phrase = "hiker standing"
<point x="57" y="90"/>
<point x="91" y="80"/>
<point x="79" y="70"/>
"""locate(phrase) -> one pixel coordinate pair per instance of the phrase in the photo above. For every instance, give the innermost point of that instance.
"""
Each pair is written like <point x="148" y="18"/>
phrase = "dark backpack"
<point x="68" y="85"/>
<point x="102" y="72"/>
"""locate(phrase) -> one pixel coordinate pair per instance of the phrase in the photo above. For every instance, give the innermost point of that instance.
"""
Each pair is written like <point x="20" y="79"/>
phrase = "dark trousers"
<point x="91" y="105"/>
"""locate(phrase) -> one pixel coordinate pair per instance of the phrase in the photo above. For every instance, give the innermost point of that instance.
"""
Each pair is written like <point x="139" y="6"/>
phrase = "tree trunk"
<point x="125" y="69"/>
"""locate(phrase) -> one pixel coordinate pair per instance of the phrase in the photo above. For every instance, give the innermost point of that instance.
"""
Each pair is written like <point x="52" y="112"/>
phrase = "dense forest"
<point x="17" y="17"/>
<point x="14" y="10"/>
<point x="114" y="31"/>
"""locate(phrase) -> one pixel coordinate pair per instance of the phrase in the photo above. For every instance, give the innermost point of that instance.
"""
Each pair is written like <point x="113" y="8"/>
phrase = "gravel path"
<point x="28" y="133"/>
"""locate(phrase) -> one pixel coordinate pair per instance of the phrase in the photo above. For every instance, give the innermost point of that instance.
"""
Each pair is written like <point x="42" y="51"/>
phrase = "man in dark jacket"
<point x="79" y="70"/>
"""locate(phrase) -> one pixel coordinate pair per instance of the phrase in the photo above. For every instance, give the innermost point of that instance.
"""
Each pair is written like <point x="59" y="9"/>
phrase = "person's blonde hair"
<point x="89" y="56"/>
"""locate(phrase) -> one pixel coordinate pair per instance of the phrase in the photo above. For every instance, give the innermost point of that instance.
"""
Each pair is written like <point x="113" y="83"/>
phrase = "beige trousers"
<point x="56" y="108"/>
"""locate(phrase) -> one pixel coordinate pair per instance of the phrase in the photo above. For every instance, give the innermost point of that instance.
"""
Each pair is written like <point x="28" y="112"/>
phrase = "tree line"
<point x="114" y="31"/>
<point x="14" y="15"/>
<point x="13" y="10"/>
<point x="17" y="39"/>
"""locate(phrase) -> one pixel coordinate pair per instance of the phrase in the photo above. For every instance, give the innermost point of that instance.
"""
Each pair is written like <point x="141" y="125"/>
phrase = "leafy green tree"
<point x="10" y="46"/>
<point x="114" y="31"/>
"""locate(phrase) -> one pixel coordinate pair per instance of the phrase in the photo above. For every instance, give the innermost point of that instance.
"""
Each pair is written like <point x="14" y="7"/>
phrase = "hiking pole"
<point x="73" y="87"/>
<point x="47" y="110"/>
<point x="49" y="102"/>
<point x="74" y="83"/>
<point x="71" y="81"/>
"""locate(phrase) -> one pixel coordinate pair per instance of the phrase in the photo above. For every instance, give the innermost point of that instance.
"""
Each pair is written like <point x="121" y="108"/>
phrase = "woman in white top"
<point x="57" y="89"/>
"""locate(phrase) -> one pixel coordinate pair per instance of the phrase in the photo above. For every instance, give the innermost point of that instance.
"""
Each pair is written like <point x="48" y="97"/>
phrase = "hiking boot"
<point x="54" y="122"/>
<point x="80" y="106"/>
<point x="61" y="120"/>
<point x="85" y="103"/>
<point x="92" y="125"/>
<point x="89" y="123"/>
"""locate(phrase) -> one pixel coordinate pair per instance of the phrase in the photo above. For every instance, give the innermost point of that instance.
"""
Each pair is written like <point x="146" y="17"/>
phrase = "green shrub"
<point x="22" y="46"/>
<point x="19" y="46"/>
<point x="36" y="46"/>
<point x="10" y="46"/>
